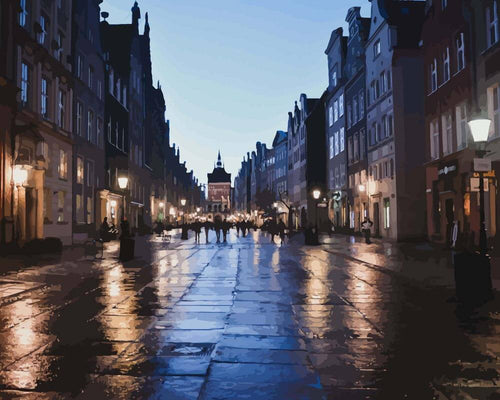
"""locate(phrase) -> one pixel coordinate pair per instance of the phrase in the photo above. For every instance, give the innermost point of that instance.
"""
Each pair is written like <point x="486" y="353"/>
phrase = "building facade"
<point x="336" y="163"/>
<point x="219" y="190"/>
<point x="89" y="199"/>
<point x="396" y="147"/>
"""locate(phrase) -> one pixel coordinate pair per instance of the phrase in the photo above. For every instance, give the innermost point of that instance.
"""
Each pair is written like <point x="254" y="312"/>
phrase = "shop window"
<point x="79" y="170"/>
<point x="387" y="213"/>
<point x="60" y="205"/>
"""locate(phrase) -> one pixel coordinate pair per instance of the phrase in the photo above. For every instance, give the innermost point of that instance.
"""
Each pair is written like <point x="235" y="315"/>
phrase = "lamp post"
<point x="473" y="270"/>
<point x="316" y="195"/>
<point x="184" y="233"/>
<point x="123" y="183"/>
<point x="480" y="130"/>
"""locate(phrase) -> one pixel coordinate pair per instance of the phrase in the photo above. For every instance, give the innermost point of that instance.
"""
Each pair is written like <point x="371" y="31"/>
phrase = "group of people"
<point x="221" y="228"/>
<point x="275" y="229"/>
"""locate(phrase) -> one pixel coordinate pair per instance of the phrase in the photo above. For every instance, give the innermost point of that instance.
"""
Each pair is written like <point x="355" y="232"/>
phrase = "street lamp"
<point x="480" y="129"/>
<point x="184" y="233"/>
<point x="123" y="183"/>
<point x="316" y="193"/>
<point x="473" y="270"/>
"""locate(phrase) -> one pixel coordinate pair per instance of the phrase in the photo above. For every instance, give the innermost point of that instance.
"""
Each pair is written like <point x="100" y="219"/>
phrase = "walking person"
<point x="281" y="230"/>
<point x="207" y="226"/>
<point x="197" y="231"/>
<point x="225" y="229"/>
<point x="366" y="227"/>
<point x="238" y="224"/>
<point x="217" y="227"/>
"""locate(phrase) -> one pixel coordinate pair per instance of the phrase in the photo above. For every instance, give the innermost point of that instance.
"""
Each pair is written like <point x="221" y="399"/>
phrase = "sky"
<point x="231" y="70"/>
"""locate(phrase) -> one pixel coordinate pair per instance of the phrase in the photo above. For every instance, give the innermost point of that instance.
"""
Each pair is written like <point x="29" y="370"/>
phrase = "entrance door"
<point x="30" y="214"/>
<point x="376" y="219"/>
<point x="450" y="216"/>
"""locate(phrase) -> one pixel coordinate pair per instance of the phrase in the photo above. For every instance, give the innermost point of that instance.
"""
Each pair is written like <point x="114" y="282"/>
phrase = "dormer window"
<point x="377" y="49"/>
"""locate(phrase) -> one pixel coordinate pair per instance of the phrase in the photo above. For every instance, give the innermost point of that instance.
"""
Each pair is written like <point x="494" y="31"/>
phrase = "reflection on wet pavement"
<point x="248" y="319"/>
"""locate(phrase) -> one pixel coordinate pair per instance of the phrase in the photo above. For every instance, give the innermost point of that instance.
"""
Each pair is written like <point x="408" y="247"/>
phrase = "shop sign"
<point x="474" y="184"/>
<point x="489" y="174"/>
<point x="482" y="164"/>
<point x="447" y="169"/>
<point x="322" y="205"/>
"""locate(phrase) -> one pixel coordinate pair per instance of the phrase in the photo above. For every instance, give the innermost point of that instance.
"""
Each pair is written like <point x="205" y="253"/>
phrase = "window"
<point x="90" y="216"/>
<point x="109" y="130"/>
<point x="60" y="206"/>
<point x="111" y="83"/>
<point x="79" y="112"/>
<point x="356" y="147"/>
<point x="495" y="102"/>
<point x="387" y="213"/>
<point x="383" y="82"/>
<point x="98" y="139"/>
<point x="376" y="49"/>
<point x="444" y="3"/>
<point x="79" y="208"/>
<point x="335" y="111"/>
<point x="79" y="66"/>
<point x="379" y="132"/>
<point x="91" y="77"/>
<point x="23" y="13"/>
<point x="90" y="125"/>
<point x="434" y="79"/>
<point x="330" y="142"/>
<point x="492" y="24"/>
<point x="330" y="116"/>
<point x="462" y="127"/>
<point x="25" y="84"/>
<point x="63" y="164"/>
<point x="62" y="102"/>
<point x="350" y="150"/>
<point x="355" y="116"/>
<point x="349" y="116"/>
<point x="460" y="52"/>
<point x="361" y="104"/>
<point x="390" y="125"/>
<point x="118" y="89"/>
<point x="385" y="131"/>
<point x="99" y="89"/>
<point x="90" y="174"/>
<point x="58" y="51"/>
<point x="388" y="78"/>
<point x="447" y="134"/>
<point x="342" y="143"/>
<point x="377" y="89"/>
<point x="124" y="96"/>
<point x="334" y="76"/>
<point x="79" y="170"/>
<point x="341" y="105"/>
<point x="446" y="65"/>
<point x="434" y="138"/>
<point x="362" y="145"/>
<point x="392" y="167"/>
<point x="44" y="28"/>
<point x="373" y="92"/>
<point x="336" y="138"/>
<point x="47" y="205"/>
<point x="44" y="99"/>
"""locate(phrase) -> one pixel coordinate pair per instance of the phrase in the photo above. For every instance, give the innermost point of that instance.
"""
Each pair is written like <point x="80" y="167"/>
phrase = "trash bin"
<point x="472" y="277"/>
<point x="127" y="249"/>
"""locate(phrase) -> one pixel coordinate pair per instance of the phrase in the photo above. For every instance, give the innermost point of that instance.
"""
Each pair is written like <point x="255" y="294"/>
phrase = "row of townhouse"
<point x="78" y="111"/>
<point x="389" y="138"/>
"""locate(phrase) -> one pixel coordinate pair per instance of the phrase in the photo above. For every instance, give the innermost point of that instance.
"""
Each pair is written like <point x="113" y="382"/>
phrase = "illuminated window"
<point x="63" y="165"/>
<point x="79" y="170"/>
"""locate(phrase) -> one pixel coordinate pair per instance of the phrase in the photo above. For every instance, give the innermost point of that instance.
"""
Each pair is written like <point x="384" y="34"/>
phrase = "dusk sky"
<point x="231" y="70"/>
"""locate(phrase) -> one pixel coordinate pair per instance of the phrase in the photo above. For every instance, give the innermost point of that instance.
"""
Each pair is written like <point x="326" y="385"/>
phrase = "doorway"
<point x="376" y="219"/>
<point x="449" y="207"/>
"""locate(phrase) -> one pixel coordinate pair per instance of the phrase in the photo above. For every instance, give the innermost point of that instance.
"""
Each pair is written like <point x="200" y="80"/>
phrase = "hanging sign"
<point x="482" y="164"/>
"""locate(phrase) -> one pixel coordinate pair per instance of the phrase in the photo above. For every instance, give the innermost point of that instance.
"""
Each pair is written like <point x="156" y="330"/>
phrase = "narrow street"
<point x="246" y="319"/>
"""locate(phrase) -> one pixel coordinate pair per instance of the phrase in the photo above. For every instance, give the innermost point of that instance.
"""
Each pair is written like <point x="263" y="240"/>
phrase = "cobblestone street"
<point x="246" y="319"/>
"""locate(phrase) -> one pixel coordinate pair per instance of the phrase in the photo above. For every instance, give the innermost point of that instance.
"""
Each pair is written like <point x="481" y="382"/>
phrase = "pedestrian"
<point x="273" y="229"/>
<point x="238" y="224"/>
<point x="244" y="228"/>
<point x="207" y="226"/>
<point x="281" y="230"/>
<point x="197" y="231"/>
<point x="217" y="227"/>
<point x="366" y="227"/>
<point x="225" y="229"/>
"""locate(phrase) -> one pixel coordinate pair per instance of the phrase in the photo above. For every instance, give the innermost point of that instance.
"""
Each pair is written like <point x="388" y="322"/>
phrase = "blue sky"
<point x="231" y="70"/>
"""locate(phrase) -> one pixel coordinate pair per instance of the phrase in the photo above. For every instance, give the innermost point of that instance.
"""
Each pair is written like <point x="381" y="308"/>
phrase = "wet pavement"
<point x="244" y="320"/>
